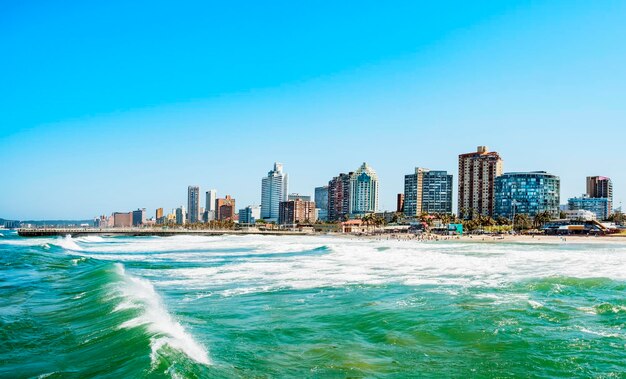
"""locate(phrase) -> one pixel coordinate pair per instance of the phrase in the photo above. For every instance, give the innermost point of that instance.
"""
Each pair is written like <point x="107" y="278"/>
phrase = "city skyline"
<point x="203" y="200"/>
<point x="130" y="118"/>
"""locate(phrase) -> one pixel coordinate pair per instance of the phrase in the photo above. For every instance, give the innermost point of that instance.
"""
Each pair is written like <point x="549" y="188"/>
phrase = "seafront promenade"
<point x="47" y="232"/>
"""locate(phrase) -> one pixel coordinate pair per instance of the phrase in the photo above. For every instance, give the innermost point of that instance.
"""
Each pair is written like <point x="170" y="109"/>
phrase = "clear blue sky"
<point x="109" y="106"/>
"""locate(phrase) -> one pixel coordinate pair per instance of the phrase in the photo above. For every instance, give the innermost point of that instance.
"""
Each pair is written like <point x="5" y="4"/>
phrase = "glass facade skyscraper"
<point x="527" y="193"/>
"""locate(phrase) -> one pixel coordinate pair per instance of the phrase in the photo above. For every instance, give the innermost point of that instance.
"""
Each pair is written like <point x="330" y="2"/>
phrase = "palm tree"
<point x="541" y="218"/>
<point x="522" y="221"/>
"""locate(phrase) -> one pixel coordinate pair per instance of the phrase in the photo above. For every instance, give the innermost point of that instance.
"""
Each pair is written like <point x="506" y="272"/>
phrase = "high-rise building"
<point x="339" y="197"/>
<point x="321" y="202"/>
<point x="413" y="192"/>
<point x="437" y="192"/>
<point x="193" y="204"/>
<point x="363" y="191"/>
<point x="601" y="187"/>
<point x="225" y="209"/>
<point x="274" y="189"/>
<point x="477" y="174"/>
<point x="296" y="211"/>
<point x="400" y="203"/>
<point x="181" y="215"/>
<point x="139" y="217"/>
<point x="527" y="193"/>
<point x="600" y="206"/>
<point x="249" y="215"/>
<point x="159" y="213"/>
<point x="427" y="191"/>
<point x="211" y="196"/>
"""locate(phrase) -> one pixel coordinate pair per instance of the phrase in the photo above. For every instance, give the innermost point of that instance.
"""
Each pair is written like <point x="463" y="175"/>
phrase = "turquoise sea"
<point x="309" y="307"/>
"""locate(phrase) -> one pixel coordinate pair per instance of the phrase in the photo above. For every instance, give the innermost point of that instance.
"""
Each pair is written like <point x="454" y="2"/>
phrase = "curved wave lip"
<point x="139" y="293"/>
<point x="68" y="243"/>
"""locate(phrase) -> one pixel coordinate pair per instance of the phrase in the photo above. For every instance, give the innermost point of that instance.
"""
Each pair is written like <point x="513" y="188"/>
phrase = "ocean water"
<point x="319" y="307"/>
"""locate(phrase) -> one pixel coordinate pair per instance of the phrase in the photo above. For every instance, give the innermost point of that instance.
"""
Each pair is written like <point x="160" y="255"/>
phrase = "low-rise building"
<point x="580" y="214"/>
<point x="355" y="226"/>
<point x="599" y="205"/>
<point x="321" y="214"/>
<point x="122" y="219"/>
<point x="249" y="215"/>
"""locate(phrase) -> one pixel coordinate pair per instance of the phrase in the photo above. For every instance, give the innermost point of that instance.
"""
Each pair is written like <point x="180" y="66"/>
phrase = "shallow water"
<point x="260" y="306"/>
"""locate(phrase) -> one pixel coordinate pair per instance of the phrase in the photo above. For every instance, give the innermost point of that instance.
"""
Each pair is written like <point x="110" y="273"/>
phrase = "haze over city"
<point x="113" y="107"/>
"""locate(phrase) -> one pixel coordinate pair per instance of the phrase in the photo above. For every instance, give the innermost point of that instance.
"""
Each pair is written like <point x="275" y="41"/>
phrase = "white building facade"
<point x="274" y="190"/>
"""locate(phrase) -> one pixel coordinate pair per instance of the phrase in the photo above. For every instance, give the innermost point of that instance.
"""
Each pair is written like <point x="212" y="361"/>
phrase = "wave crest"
<point x="138" y="292"/>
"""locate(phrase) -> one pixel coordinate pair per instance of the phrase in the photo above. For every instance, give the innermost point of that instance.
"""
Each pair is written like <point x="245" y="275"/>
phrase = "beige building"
<point x="296" y="211"/>
<point x="477" y="174"/>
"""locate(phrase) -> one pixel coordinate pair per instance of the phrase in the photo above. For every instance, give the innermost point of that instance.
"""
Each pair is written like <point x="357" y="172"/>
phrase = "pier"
<point x="163" y="232"/>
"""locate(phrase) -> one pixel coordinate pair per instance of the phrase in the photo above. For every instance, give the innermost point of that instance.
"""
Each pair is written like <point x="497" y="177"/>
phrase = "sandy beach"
<point x="433" y="238"/>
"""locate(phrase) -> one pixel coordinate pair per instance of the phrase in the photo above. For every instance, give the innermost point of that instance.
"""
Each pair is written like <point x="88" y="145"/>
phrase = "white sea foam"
<point x="231" y="265"/>
<point x="138" y="292"/>
<point x="92" y="239"/>
<point x="68" y="243"/>
<point x="601" y="333"/>
<point x="406" y="262"/>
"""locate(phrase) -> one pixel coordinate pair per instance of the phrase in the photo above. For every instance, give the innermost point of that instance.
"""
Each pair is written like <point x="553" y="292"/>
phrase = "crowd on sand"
<point x="487" y="238"/>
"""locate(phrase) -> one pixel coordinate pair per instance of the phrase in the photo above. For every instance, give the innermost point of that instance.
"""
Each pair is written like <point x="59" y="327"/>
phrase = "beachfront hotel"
<point x="274" y="189"/>
<point x="296" y="210"/>
<point x="427" y="191"/>
<point x="477" y="174"/>
<point x="528" y="193"/>
<point x="363" y="191"/>
<point x="339" y="197"/>
<point x="599" y="206"/>
<point x="354" y="194"/>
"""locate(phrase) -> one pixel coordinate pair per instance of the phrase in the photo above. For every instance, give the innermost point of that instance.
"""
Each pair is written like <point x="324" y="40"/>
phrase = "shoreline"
<point x="423" y="238"/>
<point x="528" y="239"/>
